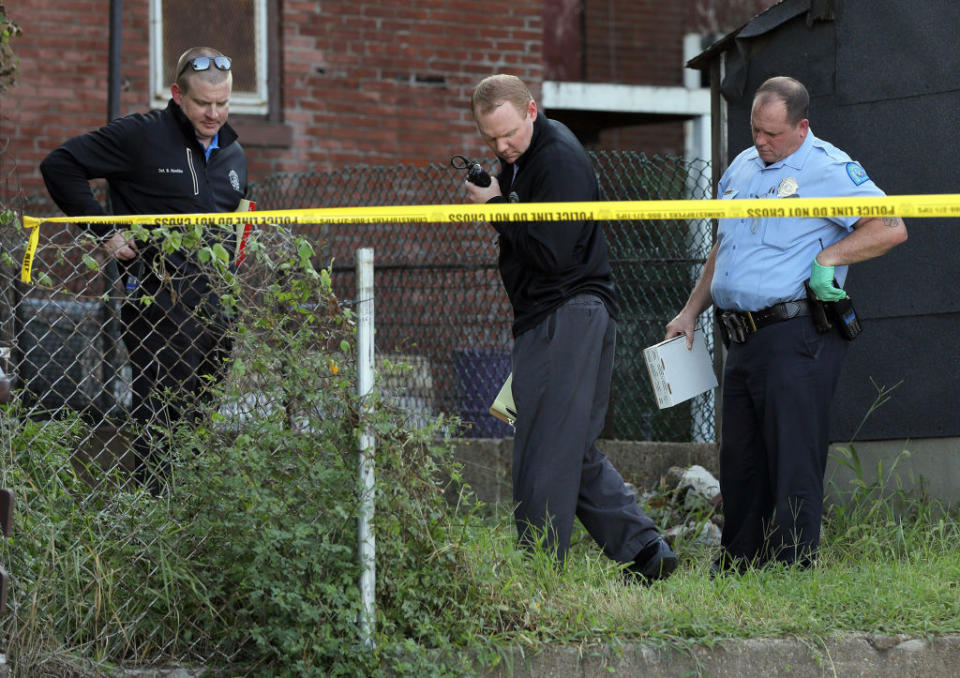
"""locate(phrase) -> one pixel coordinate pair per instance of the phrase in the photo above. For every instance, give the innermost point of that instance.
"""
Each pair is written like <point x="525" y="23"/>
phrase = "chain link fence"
<point x="442" y="307"/>
<point x="111" y="406"/>
<point x="106" y="379"/>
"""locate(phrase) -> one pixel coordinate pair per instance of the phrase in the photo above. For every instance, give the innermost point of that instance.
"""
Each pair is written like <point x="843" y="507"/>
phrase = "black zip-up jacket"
<point x="153" y="164"/>
<point x="545" y="263"/>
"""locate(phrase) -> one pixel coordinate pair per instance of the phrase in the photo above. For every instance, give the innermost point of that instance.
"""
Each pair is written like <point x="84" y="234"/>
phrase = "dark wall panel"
<point x="908" y="48"/>
<point x="886" y="104"/>
<point x="921" y="355"/>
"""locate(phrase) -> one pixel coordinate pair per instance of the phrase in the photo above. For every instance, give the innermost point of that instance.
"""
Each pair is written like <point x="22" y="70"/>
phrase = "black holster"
<point x="826" y="314"/>
<point x="818" y="310"/>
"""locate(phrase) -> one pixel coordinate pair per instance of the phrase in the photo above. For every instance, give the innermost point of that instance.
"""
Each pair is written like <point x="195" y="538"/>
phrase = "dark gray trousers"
<point x="561" y="385"/>
<point x="777" y="389"/>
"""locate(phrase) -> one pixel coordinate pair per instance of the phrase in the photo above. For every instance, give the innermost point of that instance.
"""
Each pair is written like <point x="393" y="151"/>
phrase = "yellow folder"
<point x="503" y="407"/>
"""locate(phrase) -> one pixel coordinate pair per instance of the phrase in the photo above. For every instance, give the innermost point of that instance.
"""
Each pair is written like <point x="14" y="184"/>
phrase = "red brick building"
<point x="336" y="85"/>
<point x="324" y="85"/>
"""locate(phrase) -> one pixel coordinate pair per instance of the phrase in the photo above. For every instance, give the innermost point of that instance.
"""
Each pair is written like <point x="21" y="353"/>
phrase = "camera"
<point x="475" y="173"/>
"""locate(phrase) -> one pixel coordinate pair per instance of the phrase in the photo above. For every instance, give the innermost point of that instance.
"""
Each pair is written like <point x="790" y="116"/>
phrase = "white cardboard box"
<point x="678" y="374"/>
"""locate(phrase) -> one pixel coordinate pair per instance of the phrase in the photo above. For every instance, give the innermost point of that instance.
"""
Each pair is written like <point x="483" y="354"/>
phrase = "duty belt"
<point x="737" y="326"/>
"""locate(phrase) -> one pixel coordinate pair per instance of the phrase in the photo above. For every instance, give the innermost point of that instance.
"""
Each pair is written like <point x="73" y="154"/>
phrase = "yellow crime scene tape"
<point x="937" y="205"/>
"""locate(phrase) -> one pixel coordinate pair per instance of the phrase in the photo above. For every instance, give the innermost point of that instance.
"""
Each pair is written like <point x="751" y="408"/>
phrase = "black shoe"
<point x="716" y="568"/>
<point x="725" y="564"/>
<point x="655" y="561"/>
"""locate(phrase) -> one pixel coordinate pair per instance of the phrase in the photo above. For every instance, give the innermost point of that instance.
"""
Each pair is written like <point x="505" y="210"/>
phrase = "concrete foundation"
<point x="851" y="656"/>
<point x="486" y="463"/>
<point x="933" y="463"/>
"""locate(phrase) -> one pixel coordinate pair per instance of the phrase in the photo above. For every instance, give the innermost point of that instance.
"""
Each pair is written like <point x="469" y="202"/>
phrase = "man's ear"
<point x="176" y="93"/>
<point x="532" y="110"/>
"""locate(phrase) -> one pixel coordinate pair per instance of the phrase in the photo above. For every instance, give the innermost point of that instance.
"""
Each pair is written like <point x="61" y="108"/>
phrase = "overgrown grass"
<point x="896" y="576"/>
<point x="889" y="564"/>
<point x="248" y="563"/>
<point x="244" y="581"/>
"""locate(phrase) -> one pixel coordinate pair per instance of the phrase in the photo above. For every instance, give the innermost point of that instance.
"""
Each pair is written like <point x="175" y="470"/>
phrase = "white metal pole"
<point x="700" y="236"/>
<point x="367" y="546"/>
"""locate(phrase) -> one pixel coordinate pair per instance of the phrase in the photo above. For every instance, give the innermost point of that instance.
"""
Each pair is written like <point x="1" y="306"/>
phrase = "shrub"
<point x="249" y="558"/>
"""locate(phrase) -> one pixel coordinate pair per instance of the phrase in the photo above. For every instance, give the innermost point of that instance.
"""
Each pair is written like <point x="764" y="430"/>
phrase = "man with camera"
<point x="785" y="346"/>
<point x="557" y="276"/>
<point x="179" y="160"/>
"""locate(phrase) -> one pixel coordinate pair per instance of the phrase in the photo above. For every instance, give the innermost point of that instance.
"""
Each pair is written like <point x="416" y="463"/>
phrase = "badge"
<point x="513" y="197"/>
<point x="234" y="180"/>
<point x="856" y="173"/>
<point x="788" y="188"/>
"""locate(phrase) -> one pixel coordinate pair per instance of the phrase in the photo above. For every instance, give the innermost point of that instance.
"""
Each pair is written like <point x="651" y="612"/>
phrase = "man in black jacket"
<point x="557" y="276"/>
<point x="182" y="159"/>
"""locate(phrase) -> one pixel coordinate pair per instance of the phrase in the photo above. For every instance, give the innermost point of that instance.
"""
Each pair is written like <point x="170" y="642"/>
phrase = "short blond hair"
<point x="212" y="74"/>
<point x="495" y="89"/>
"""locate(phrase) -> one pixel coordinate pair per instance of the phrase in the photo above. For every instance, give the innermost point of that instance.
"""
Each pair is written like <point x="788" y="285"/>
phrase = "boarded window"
<point x="238" y="28"/>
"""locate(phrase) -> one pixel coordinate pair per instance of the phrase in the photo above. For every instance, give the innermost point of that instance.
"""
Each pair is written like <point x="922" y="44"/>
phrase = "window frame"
<point x="257" y="102"/>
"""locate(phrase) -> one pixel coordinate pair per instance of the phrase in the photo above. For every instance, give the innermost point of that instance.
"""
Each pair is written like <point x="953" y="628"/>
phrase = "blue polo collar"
<point x="214" y="143"/>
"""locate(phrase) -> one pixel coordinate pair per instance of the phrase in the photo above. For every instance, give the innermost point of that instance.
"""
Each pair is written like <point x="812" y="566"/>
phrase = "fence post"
<point x="6" y="382"/>
<point x="6" y="528"/>
<point x="6" y="495"/>
<point x="367" y="550"/>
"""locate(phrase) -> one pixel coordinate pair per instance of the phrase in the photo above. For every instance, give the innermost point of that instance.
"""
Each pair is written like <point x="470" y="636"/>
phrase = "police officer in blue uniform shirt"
<point x="780" y="372"/>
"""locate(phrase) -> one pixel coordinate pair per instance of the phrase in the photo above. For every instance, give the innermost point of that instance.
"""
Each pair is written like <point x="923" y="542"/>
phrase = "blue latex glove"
<point x="821" y="282"/>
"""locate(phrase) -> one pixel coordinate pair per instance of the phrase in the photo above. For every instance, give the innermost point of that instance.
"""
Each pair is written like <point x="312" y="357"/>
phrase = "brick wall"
<point x="635" y="42"/>
<point x="640" y="42"/>
<point x="629" y="42"/>
<point x="363" y="81"/>
<point x="387" y="82"/>
<point x="62" y="80"/>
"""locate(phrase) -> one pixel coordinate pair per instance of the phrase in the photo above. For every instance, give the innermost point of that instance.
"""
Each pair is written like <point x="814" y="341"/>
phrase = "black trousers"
<point x="175" y="358"/>
<point x="777" y="388"/>
<point x="561" y="385"/>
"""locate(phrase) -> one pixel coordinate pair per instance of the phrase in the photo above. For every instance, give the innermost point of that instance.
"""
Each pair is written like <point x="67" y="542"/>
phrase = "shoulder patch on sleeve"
<point x="856" y="173"/>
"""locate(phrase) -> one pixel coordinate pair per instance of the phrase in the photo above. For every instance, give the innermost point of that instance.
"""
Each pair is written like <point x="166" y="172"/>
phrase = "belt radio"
<point x="846" y="318"/>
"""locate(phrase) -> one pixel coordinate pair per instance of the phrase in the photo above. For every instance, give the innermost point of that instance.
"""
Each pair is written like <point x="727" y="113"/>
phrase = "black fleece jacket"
<point x="153" y="164"/>
<point x="545" y="263"/>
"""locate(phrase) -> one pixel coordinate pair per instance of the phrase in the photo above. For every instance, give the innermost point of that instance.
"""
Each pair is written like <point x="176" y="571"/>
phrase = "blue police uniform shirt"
<point x="763" y="261"/>
<point x="214" y="143"/>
